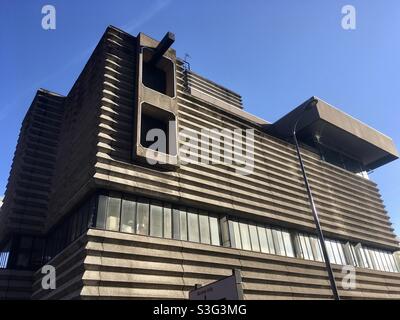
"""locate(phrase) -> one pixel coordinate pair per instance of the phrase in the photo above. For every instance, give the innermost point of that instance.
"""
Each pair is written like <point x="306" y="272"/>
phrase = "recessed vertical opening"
<point x="158" y="124"/>
<point x="159" y="75"/>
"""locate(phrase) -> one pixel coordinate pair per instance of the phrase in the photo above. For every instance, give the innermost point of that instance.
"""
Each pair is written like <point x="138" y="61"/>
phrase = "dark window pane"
<point x="84" y="214"/>
<point x="78" y="225"/>
<point x="25" y="243"/>
<point x="91" y="210"/>
<point x="156" y="219"/>
<point x="142" y="220"/>
<point x="128" y="216"/>
<point x="23" y="260"/>
<point x="37" y="253"/>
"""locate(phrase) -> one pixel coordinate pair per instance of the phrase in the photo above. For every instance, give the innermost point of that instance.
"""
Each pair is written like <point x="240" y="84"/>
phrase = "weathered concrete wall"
<point x="29" y="186"/>
<point x="116" y="265"/>
<point x="350" y="206"/>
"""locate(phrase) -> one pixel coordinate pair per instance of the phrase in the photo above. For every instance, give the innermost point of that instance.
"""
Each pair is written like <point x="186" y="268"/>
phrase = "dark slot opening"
<point x="158" y="76"/>
<point x="156" y="118"/>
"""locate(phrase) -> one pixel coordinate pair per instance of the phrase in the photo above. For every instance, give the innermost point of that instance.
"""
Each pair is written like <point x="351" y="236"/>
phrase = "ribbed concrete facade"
<point x="111" y="265"/>
<point x="27" y="197"/>
<point x="90" y="147"/>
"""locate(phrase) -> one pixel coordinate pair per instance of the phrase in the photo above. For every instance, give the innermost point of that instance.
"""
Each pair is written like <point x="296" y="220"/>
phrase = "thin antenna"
<point x="186" y="69"/>
<point x="185" y="60"/>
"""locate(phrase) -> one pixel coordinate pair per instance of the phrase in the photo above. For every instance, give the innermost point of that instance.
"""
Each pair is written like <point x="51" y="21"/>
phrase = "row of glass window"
<point x="4" y="255"/>
<point x="309" y="248"/>
<point x="70" y="228"/>
<point x="377" y="259"/>
<point x="4" y="259"/>
<point x="143" y="216"/>
<point x="154" y="218"/>
<point x="346" y="253"/>
<point x="259" y="238"/>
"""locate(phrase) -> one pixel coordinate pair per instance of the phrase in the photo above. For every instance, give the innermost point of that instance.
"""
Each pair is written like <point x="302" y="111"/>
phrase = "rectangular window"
<point x="235" y="234"/>
<point x="245" y="236"/>
<point x="270" y="239"/>
<point x="278" y="242"/>
<point x="262" y="236"/>
<point x="113" y="214"/>
<point x="393" y="262"/>
<point x="176" y="220"/>
<point x="374" y="263"/>
<point x="101" y="212"/>
<point x="380" y="262"/>
<point x="316" y="249"/>
<point x="341" y="253"/>
<point x="156" y="219"/>
<point x="215" y="238"/>
<point x="287" y="241"/>
<point x="128" y="216"/>
<point x="84" y="212"/>
<point x="305" y="252"/>
<point x="142" y="219"/>
<point x="167" y="221"/>
<point x="183" y="224"/>
<point x="255" y="245"/>
<point x="384" y="261"/>
<point x="330" y="251"/>
<point x="361" y="254"/>
<point x="309" y="247"/>
<point x="368" y="258"/>
<point x="193" y="226"/>
<point x="78" y="222"/>
<point x="204" y="228"/>
<point x="388" y="262"/>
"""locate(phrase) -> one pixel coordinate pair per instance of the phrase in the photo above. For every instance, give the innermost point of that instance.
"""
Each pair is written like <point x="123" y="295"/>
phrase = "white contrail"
<point x="137" y="22"/>
<point x="128" y="27"/>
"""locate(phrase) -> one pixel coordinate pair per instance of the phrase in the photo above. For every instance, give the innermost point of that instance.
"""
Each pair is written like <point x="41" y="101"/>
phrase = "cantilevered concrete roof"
<point x="339" y="131"/>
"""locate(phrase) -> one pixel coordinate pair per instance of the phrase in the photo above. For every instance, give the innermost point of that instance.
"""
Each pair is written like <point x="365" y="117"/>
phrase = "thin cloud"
<point x="84" y="55"/>
<point x="147" y="16"/>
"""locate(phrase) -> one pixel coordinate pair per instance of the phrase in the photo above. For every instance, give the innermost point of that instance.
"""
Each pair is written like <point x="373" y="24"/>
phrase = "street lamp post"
<point x="314" y="209"/>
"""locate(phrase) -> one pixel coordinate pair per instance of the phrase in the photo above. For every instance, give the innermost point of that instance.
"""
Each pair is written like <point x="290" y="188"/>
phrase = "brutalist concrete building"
<point x="83" y="197"/>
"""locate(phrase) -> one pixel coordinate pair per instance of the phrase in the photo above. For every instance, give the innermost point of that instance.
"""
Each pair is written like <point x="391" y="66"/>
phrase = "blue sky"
<point x="276" y="54"/>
